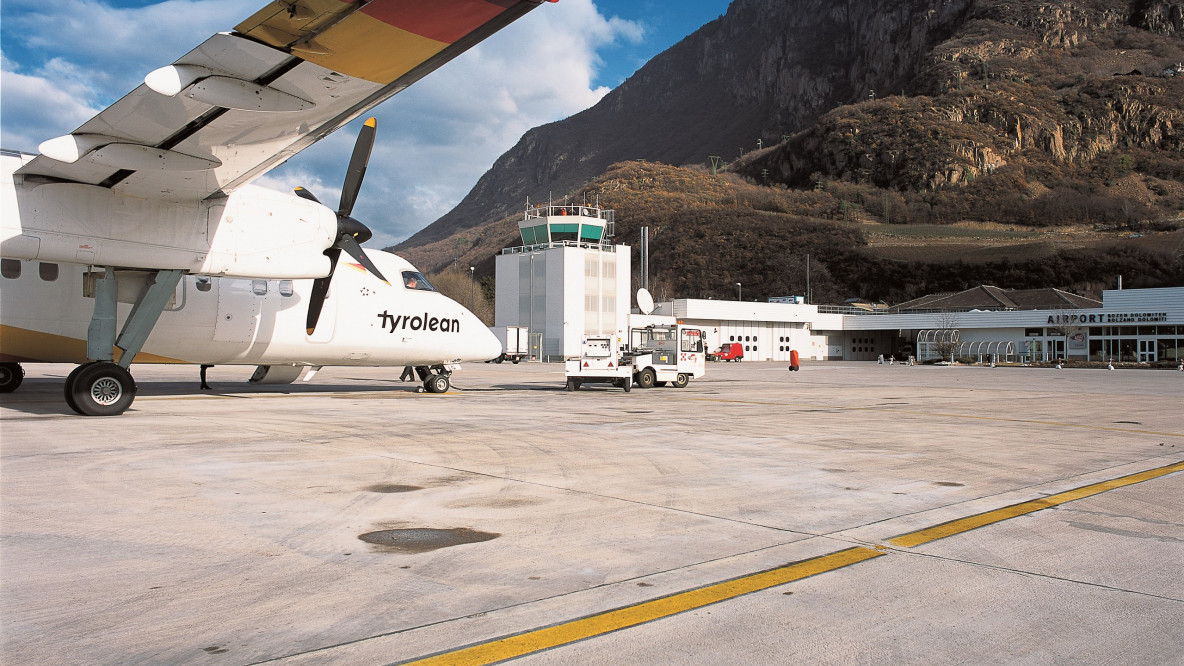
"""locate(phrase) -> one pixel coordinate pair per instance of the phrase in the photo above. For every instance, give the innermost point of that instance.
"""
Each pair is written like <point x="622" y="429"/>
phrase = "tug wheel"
<point x="646" y="378"/>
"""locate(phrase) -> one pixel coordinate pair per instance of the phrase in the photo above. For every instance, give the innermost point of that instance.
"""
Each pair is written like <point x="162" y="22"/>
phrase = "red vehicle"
<point x="728" y="351"/>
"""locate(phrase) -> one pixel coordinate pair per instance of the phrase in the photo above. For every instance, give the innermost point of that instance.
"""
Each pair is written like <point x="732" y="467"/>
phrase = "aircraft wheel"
<point x="11" y="376"/>
<point x="500" y="359"/>
<point x="70" y="384"/>
<point x="100" y="389"/>
<point x="682" y="380"/>
<point x="646" y="378"/>
<point x="437" y="384"/>
<point x="516" y="359"/>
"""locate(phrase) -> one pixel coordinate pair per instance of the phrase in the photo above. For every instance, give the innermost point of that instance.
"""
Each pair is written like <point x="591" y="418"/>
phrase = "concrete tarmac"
<point x="353" y="520"/>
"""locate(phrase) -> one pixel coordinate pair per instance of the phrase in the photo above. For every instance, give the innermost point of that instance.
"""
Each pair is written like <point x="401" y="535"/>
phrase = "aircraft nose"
<point x="483" y="345"/>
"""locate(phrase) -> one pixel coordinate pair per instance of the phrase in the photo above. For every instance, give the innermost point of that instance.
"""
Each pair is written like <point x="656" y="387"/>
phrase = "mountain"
<point x="1034" y="113"/>
<point x="941" y="143"/>
<point x="765" y="69"/>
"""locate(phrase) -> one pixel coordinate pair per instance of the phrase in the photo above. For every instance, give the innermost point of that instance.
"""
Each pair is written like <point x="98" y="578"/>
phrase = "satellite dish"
<point x="645" y="302"/>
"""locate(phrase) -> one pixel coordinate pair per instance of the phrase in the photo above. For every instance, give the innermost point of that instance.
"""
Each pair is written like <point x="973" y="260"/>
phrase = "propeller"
<point x="350" y="232"/>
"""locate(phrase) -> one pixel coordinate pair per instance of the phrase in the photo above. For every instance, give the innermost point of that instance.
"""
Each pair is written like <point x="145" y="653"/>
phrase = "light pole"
<point x="739" y="292"/>
<point x="472" y="287"/>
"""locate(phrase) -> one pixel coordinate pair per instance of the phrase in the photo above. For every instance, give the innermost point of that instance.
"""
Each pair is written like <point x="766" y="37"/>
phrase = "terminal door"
<point x="1054" y="349"/>
<point x="1147" y="351"/>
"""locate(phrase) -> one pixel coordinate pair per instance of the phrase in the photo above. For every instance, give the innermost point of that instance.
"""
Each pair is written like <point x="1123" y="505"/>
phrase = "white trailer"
<point x="600" y="362"/>
<point x="656" y="356"/>
<point x="515" y="343"/>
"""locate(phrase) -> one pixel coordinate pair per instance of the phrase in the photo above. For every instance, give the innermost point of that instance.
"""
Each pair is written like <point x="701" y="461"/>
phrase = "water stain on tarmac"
<point x="391" y="488"/>
<point x="424" y="539"/>
<point x="499" y="503"/>
<point x="950" y="484"/>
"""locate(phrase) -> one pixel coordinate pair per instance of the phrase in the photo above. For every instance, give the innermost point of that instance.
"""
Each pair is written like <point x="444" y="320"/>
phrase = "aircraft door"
<point x="238" y="311"/>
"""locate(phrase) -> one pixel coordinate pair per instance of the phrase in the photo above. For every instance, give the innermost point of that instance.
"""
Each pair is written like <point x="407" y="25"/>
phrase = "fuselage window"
<point x="203" y="283"/>
<point x="286" y="288"/>
<point x="415" y="280"/>
<point x="48" y="272"/>
<point x="10" y="268"/>
<point x="259" y="287"/>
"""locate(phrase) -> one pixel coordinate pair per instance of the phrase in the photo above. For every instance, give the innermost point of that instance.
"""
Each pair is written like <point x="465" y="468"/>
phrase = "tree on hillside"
<point x="461" y="288"/>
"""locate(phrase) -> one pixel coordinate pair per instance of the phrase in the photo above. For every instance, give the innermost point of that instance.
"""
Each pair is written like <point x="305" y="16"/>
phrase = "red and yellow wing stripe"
<point x="378" y="41"/>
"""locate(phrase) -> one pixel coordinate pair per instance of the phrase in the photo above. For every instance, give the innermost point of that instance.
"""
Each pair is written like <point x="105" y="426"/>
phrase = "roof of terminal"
<point x="986" y="297"/>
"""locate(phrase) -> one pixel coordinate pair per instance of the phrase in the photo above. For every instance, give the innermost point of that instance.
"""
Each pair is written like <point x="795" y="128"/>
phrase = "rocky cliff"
<point x="766" y="69"/>
<point x="1036" y="92"/>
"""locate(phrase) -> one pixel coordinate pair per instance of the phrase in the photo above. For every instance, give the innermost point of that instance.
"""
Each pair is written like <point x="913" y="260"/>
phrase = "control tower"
<point x="567" y="279"/>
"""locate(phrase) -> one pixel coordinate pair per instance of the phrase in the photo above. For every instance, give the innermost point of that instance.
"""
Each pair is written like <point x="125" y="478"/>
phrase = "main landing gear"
<point x="11" y="376"/>
<point x="104" y="387"/>
<point x="100" y="388"/>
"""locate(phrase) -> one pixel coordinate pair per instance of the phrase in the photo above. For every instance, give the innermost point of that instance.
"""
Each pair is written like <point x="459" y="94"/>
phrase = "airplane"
<point x="150" y="205"/>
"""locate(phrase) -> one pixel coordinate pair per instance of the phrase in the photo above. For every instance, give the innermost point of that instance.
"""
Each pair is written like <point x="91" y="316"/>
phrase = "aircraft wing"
<point x="245" y="101"/>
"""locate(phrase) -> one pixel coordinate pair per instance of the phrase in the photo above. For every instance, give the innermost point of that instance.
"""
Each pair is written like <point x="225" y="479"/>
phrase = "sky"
<point x="64" y="61"/>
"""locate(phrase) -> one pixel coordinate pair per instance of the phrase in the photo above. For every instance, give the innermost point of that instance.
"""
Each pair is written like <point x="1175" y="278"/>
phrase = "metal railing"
<point x="538" y="247"/>
<point x="559" y="210"/>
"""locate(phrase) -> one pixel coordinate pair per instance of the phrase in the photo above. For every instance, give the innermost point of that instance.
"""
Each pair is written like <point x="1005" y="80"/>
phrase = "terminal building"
<point x="568" y="280"/>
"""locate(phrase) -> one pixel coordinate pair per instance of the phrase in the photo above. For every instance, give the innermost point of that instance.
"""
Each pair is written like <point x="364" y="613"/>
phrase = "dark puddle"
<point x="951" y="484"/>
<point x="1129" y="422"/>
<point x="423" y="539"/>
<point x="390" y="488"/>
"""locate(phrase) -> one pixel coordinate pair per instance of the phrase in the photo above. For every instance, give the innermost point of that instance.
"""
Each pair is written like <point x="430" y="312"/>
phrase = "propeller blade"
<point x="305" y="194"/>
<point x="351" y="246"/>
<point x="357" y="168"/>
<point x="320" y="290"/>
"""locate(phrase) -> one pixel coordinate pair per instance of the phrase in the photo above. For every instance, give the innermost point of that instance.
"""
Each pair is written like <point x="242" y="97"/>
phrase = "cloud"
<point x="438" y="137"/>
<point x="63" y="61"/>
<point x="116" y="45"/>
<point x="41" y="105"/>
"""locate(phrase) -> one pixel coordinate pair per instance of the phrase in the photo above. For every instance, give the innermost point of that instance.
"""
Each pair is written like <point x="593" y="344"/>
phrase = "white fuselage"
<point x="365" y="322"/>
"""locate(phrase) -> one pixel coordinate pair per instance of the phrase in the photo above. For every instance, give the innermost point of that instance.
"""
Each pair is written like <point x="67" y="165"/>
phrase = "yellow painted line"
<point x="975" y="417"/>
<point x="974" y="522"/>
<point x="631" y="616"/>
<point x="529" y="642"/>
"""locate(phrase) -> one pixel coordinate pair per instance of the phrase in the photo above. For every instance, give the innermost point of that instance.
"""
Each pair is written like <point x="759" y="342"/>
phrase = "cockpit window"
<point x="416" y="281"/>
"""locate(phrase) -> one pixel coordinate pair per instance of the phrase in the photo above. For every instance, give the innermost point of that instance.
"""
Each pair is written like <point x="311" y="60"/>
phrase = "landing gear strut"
<point x="104" y="387"/>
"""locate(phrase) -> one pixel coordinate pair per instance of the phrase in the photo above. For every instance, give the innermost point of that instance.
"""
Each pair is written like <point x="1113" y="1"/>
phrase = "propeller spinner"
<point x="350" y="232"/>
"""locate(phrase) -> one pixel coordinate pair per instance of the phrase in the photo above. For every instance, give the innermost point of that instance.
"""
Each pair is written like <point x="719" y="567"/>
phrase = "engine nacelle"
<point x="253" y="233"/>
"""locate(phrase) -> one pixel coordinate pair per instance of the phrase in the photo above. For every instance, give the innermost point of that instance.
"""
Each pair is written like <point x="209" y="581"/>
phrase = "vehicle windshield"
<point x="415" y="280"/>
